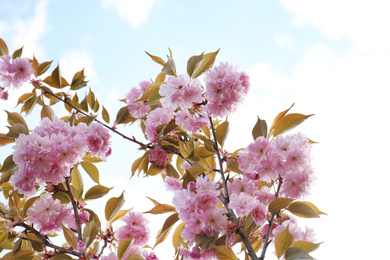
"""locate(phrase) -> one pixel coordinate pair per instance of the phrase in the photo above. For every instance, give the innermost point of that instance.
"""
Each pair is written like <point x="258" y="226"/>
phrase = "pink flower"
<point x="158" y="116"/>
<point x="48" y="214"/>
<point x="137" y="109"/>
<point x="259" y="214"/>
<point x="15" y="72"/>
<point x="204" y="184"/>
<point x="242" y="204"/>
<point x="158" y="156"/>
<point x="181" y="92"/>
<point x="3" y="94"/>
<point x="149" y="256"/>
<point x="173" y="184"/>
<point x="135" y="228"/>
<point x="110" y="256"/>
<point x="225" y="89"/>
<point x="98" y="141"/>
<point x="245" y="185"/>
<point x="24" y="182"/>
<point x="216" y="222"/>
<point x="80" y="246"/>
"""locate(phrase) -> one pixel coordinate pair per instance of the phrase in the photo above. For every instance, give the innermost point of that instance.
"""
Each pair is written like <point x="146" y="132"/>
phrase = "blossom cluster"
<point x="136" y="228"/>
<point x="185" y="102"/>
<point x="13" y="73"/>
<point x="286" y="156"/>
<point x="48" y="214"/>
<point x="49" y="153"/>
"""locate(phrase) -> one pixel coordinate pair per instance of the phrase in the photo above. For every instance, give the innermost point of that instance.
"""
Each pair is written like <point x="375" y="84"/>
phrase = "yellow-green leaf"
<point x="43" y="67"/>
<point x="15" y="130"/>
<point x="260" y="129"/>
<point x="225" y="253"/>
<point x="113" y="205"/>
<point x="283" y="241"/>
<point x="56" y="78"/>
<point x="96" y="192"/>
<point x="171" y="171"/>
<point x="278" y="117"/>
<point x="294" y="253"/>
<point x="169" y="67"/>
<point x="105" y="115"/>
<point x="120" y="214"/>
<point x="176" y="237"/>
<point x="14" y="118"/>
<point x="206" y="63"/>
<point x="169" y="222"/>
<point x="123" y="247"/>
<point x="47" y="111"/>
<point x="288" y="122"/>
<point x="306" y="245"/>
<point x="156" y="59"/>
<point x="303" y="210"/>
<point x="3" y="48"/>
<point x="162" y="236"/>
<point x="161" y="208"/>
<point x="8" y="164"/>
<point x="92" y="170"/>
<point x="311" y="205"/>
<point x="60" y="257"/>
<point x="193" y="62"/>
<point x="70" y="237"/>
<point x="122" y="116"/>
<point x="17" y="53"/>
<point x="279" y="203"/>
<point x="221" y="132"/>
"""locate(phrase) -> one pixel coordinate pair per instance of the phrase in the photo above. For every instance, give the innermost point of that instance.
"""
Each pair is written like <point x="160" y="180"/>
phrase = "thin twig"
<point x="271" y="221"/>
<point x="225" y="200"/>
<point x="75" y="209"/>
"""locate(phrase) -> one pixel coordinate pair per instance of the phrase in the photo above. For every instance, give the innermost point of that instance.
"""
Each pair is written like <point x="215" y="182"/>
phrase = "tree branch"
<point x="75" y="209"/>
<point x="225" y="199"/>
<point x="271" y="221"/>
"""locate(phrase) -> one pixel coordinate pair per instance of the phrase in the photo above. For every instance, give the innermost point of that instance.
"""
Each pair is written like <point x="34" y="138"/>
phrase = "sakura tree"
<point x="223" y="202"/>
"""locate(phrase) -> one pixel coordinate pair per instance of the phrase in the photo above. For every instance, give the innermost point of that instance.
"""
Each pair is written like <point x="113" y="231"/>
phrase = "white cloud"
<point x="28" y="32"/>
<point x="74" y="61"/>
<point x="283" y="41"/>
<point x="366" y="23"/>
<point x="132" y="11"/>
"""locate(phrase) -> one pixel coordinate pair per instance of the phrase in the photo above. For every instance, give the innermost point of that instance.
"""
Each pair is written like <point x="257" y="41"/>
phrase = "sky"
<point x="332" y="58"/>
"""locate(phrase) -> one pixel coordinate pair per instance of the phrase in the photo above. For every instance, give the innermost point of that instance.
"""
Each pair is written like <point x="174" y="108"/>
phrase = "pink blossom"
<point x="136" y="228"/>
<point x="15" y="72"/>
<point x="80" y="246"/>
<point x="181" y="92"/>
<point x="245" y="185"/>
<point x="225" y="89"/>
<point x="173" y="184"/>
<point x="110" y="256"/>
<point x="242" y="204"/>
<point x="3" y="94"/>
<point x="24" y="181"/>
<point x="137" y="109"/>
<point x="98" y="141"/>
<point x="216" y="222"/>
<point x="149" y="256"/>
<point x="259" y="214"/>
<point x="158" y="156"/>
<point x="158" y="116"/>
<point x="48" y="214"/>
<point x="204" y="184"/>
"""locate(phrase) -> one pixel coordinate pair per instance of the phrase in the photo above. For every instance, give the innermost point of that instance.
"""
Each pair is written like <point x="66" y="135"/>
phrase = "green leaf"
<point x="206" y="63"/>
<point x="92" y="170"/>
<point x="96" y="192"/>
<point x="302" y="209"/>
<point x="43" y="67"/>
<point x="113" y="205"/>
<point x="288" y="122"/>
<point x="221" y="132"/>
<point x="260" y="129"/>
<point x="294" y="253"/>
<point x="47" y="111"/>
<point x="279" y="203"/>
<point x="78" y="81"/>
<point x="14" y="118"/>
<point x="283" y="241"/>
